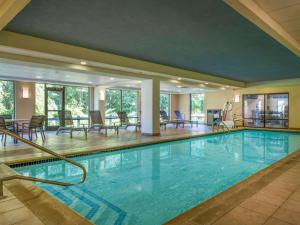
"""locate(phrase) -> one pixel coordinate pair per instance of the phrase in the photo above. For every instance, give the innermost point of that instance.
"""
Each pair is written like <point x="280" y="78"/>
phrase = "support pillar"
<point x="99" y="100"/>
<point x="150" y="101"/>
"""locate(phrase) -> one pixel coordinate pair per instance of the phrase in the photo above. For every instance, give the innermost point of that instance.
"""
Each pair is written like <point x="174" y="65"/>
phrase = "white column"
<point x="150" y="101"/>
<point x="99" y="100"/>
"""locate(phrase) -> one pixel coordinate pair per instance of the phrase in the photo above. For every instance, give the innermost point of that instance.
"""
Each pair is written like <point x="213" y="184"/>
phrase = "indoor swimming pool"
<point x="152" y="184"/>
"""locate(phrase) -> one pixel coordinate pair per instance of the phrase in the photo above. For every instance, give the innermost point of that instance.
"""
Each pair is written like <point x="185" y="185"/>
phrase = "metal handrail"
<point x="17" y="176"/>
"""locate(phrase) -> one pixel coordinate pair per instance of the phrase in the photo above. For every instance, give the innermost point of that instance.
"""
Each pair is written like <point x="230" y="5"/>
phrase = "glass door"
<point x="277" y="110"/>
<point x="54" y="107"/>
<point x="266" y="110"/>
<point x="253" y="110"/>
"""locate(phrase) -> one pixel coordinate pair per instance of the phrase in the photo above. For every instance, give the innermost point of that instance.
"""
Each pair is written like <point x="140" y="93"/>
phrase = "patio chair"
<point x="5" y="126"/>
<point x="165" y="119"/>
<point x="180" y="117"/>
<point x="124" y="121"/>
<point x="35" y="124"/>
<point x="98" y="124"/>
<point x="69" y="127"/>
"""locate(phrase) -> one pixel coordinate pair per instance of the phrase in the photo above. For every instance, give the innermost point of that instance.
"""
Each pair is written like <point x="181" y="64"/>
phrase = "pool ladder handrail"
<point x="21" y="177"/>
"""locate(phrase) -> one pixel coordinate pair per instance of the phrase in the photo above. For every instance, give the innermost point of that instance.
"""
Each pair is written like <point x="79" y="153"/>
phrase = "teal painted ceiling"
<point x="199" y="35"/>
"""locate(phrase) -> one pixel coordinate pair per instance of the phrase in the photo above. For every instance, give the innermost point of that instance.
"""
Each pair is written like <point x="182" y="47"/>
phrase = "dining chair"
<point x="35" y="124"/>
<point x="3" y="125"/>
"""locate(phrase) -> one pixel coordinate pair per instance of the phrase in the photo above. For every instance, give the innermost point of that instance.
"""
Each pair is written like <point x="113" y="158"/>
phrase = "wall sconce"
<point x="25" y="92"/>
<point x="237" y="98"/>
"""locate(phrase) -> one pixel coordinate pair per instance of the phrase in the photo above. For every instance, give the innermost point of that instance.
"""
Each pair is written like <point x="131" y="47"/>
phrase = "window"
<point x="7" y="98"/>
<point x="266" y="110"/>
<point x="60" y="97"/>
<point x="277" y="110"/>
<point x="77" y="101"/>
<point x="197" y="107"/>
<point x="39" y="99"/>
<point x="117" y="100"/>
<point x="112" y="102"/>
<point x="165" y="103"/>
<point x="254" y="110"/>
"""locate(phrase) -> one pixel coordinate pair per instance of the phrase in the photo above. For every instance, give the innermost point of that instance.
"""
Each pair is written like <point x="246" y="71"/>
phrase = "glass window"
<point x="266" y="110"/>
<point x="40" y="99"/>
<point x="121" y="100"/>
<point x="112" y="102"/>
<point x="165" y="103"/>
<point x="197" y="107"/>
<point x="277" y="110"/>
<point x="254" y="110"/>
<point x="77" y="101"/>
<point x="129" y="103"/>
<point x="7" y="98"/>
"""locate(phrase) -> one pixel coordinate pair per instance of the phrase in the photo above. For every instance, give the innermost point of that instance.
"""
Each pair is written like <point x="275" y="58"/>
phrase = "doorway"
<point x="55" y="105"/>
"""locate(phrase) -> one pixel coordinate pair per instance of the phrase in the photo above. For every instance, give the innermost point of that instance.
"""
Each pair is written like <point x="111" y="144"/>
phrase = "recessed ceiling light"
<point x="174" y="81"/>
<point x="83" y="62"/>
<point x="112" y="78"/>
<point x="202" y="85"/>
<point x="179" y="86"/>
<point x="227" y="86"/>
<point x="222" y="88"/>
<point x="206" y="83"/>
<point x="139" y="81"/>
<point x="179" y="78"/>
<point x="38" y="77"/>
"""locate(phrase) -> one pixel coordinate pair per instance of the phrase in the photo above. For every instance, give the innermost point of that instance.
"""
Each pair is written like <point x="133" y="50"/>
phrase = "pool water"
<point x="152" y="184"/>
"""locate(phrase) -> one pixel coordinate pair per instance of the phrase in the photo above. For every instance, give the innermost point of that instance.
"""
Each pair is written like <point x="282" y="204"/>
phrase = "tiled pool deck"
<point x="270" y="197"/>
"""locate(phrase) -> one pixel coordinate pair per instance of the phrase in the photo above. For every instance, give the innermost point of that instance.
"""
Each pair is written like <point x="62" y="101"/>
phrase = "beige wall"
<point x="217" y="100"/>
<point x="174" y="105"/>
<point x="24" y="106"/>
<point x="184" y="105"/>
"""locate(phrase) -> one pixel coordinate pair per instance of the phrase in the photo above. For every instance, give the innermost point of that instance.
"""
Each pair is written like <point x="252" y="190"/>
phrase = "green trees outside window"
<point x="39" y="99"/>
<point x="197" y="107"/>
<point x="7" y="98"/>
<point x="117" y="100"/>
<point x="77" y="101"/>
<point x="165" y="103"/>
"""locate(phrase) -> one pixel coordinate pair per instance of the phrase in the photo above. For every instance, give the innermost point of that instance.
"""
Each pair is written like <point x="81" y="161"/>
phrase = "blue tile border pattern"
<point x="88" y="198"/>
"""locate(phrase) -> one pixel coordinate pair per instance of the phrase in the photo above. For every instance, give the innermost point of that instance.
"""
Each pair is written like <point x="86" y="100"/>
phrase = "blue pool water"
<point x="152" y="184"/>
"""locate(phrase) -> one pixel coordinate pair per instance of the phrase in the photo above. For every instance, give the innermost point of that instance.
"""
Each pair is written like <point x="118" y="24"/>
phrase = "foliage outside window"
<point x="197" y="107"/>
<point x="121" y="100"/>
<point x="39" y="99"/>
<point x="7" y="98"/>
<point x="77" y="101"/>
<point x="165" y="103"/>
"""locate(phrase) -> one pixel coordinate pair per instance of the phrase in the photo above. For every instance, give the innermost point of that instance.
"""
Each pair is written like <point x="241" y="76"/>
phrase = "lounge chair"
<point x="124" y="121"/>
<point x="179" y="117"/>
<point x="98" y="124"/>
<point x="68" y="126"/>
<point x="165" y="119"/>
<point x="35" y="124"/>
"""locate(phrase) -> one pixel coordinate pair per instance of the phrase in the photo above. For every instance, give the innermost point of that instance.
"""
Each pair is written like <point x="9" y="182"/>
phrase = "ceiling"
<point x="204" y="36"/>
<point x="286" y="13"/>
<point x="47" y="74"/>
